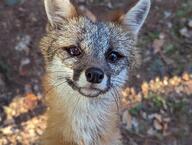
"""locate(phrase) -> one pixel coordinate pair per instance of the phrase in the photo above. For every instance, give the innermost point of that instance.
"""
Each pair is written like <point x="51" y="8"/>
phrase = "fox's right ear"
<point x="57" y="10"/>
<point x="136" y="16"/>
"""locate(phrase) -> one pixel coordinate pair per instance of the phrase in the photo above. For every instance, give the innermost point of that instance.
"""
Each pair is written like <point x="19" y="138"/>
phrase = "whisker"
<point x="55" y="71"/>
<point x="54" y="87"/>
<point x="118" y="94"/>
<point x="116" y="99"/>
<point x="118" y="81"/>
<point x="75" y="105"/>
<point x="119" y="84"/>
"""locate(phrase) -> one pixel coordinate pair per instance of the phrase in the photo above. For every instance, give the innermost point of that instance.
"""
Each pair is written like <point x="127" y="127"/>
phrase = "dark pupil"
<point x="74" y="51"/>
<point x="113" y="57"/>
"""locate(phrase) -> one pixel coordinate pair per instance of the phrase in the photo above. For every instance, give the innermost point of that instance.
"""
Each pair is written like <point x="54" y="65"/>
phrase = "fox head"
<point x="88" y="57"/>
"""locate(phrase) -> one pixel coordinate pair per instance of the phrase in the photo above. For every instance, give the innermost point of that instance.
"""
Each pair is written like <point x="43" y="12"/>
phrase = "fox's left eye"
<point x="114" y="56"/>
<point x="73" y="51"/>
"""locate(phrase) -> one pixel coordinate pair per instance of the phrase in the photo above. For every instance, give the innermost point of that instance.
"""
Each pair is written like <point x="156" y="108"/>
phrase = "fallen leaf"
<point x="31" y="100"/>
<point x="145" y="88"/>
<point x="184" y="32"/>
<point x="185" y="77"/>
<point x="151" y="131"/>
<point x="7" y="130"/>
<point x="157" y="125"/>
<point x="157" y="45"/>
<point x="190" y="23"/>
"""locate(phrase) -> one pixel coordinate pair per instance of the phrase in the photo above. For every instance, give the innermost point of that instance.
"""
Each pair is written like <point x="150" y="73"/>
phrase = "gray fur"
<point x="95" y="39"/>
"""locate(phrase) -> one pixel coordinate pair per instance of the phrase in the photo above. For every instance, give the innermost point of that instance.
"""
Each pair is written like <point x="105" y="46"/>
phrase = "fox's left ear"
<point x="136" y="16"/>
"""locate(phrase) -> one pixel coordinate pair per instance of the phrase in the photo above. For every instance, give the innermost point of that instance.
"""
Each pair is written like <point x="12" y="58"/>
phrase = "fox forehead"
<point x="94" y="37"/>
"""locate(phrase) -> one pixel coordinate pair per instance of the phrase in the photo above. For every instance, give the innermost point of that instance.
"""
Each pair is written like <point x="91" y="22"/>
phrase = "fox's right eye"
<point x="73" y="51"/>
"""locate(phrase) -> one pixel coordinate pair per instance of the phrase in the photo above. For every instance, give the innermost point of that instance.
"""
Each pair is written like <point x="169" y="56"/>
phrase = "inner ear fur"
<point x="134" y="16"/>
<point x="57" y="10"/>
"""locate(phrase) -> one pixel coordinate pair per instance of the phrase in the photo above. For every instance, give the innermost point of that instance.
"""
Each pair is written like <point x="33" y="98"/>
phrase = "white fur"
<point x="82" y="80"/>
<point x="86" y="117"/>
<point x="59" y="70"/>
<point x="87" y="113"/>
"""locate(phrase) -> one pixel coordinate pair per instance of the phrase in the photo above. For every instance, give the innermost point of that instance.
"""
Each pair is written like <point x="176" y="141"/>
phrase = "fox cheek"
<point x="120" y="79"/>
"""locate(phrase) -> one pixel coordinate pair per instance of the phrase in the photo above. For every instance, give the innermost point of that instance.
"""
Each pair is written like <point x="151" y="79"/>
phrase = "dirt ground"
<point x="157" y="103"/>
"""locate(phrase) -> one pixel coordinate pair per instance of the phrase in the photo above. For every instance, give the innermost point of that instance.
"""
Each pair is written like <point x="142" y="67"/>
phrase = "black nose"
<point x="94" y="75"/>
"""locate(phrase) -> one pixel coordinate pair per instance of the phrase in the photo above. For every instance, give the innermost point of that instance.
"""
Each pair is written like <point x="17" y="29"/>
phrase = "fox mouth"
<point x="90" y="92"/>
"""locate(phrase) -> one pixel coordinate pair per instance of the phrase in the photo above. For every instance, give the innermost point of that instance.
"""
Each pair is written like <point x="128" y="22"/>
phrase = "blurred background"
<point x="157" y="103"/>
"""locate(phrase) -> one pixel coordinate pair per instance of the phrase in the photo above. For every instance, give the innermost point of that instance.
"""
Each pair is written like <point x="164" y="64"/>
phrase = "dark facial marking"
<point x="76" y="74"/>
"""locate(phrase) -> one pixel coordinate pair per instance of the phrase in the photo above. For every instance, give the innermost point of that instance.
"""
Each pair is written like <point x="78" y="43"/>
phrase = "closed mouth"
<point x="90" y="92"/>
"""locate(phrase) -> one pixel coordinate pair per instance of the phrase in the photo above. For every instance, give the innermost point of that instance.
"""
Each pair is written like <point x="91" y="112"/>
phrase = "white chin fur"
<point x="90" y="92"/>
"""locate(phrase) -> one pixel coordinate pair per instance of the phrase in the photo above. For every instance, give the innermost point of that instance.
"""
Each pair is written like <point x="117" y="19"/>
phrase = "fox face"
<point x="90" y="57"/>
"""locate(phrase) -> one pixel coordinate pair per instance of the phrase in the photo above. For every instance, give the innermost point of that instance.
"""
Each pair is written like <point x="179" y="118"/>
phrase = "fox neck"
<point x="85" y="119"/>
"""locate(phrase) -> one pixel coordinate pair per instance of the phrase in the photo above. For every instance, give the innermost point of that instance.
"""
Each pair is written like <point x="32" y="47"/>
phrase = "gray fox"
<point x="87" y="62"/>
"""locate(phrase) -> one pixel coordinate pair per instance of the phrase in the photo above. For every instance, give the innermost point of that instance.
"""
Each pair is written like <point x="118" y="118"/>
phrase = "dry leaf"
<point x="157" y="125"/>
<point x="157" y="45"/>
<point x="31" y="100"/>
<point x="7" y="130"/>
<point x="186" y="77"/>
<point x="145" y="88"/>
<point x="151" y="131"/>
